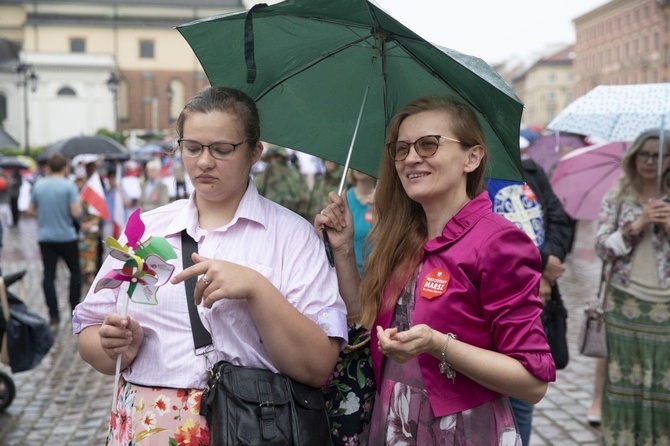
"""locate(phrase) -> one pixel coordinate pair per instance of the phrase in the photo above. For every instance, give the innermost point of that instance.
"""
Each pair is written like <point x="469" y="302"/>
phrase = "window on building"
<point x="146" y="49"/>
<point x="657" y="41"/>
<point x="636" y="16"/>
<point x="66" y="91"/>
<point x="77" y="45"/>
<point x="552" y="77"/>
<point x="646" y="12"/>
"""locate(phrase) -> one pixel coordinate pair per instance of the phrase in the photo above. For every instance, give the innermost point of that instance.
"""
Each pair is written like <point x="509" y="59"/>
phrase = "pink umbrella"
<point x="546" y="150"/>
<point x="583" y="177"/>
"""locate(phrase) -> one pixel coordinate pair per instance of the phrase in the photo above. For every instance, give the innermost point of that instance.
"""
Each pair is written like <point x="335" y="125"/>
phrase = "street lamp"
<point x="113" y="84"/>
<point x="26" y="78"/>
<point x="170" y="95"/>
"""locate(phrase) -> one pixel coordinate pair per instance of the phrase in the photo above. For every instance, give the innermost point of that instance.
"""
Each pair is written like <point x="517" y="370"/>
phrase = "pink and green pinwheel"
<point x="145" y="262"/>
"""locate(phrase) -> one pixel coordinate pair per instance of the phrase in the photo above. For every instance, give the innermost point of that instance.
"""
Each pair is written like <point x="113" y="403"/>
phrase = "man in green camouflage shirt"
<point x="280" y="181"/>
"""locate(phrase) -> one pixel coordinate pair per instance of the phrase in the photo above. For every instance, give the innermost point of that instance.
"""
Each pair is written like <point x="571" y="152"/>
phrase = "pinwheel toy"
<point x="145" y="267"/>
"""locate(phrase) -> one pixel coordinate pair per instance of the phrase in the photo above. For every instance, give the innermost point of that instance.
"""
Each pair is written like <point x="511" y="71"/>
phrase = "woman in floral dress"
<point x="450" y="289"/>
<point x="634" y="235"/>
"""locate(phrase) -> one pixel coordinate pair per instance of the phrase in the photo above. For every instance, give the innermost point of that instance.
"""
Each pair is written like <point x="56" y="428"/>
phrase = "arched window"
<point x="66" y="91"/>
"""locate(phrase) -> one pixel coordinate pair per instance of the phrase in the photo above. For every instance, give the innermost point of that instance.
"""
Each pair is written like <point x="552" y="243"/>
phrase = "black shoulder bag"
<point x="251" y="406"/>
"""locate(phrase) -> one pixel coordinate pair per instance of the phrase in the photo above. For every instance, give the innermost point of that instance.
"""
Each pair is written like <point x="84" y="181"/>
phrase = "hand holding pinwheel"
<point x="145" y="265"/>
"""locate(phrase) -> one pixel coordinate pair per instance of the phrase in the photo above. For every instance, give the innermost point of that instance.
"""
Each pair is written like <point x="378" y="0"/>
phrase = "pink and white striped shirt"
<point x="262" y="235"/>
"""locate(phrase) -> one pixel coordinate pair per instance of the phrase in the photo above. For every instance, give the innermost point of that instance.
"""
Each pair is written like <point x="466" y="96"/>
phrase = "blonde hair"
<point x="630" y="183"/>
<point x="400" y="228"/>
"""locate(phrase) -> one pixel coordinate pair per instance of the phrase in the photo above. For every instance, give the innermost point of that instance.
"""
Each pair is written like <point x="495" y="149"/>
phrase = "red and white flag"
<point x="94" y="195"/>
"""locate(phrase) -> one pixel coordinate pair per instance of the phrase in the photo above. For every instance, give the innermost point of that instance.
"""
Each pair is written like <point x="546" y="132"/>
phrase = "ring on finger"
<point x="205" y="280"/>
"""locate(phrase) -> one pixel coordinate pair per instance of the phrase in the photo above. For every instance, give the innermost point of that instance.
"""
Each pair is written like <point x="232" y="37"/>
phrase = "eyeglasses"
<point x="218" y="150"/>
<point x="425" y="147"/>
<point x="645" y="157"/>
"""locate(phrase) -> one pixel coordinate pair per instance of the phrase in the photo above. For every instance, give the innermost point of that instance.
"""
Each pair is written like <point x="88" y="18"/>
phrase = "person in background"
<point x="360" y="198"/>
<point x="449" y="288"/>
<point x="634" y="236"/>
<point x="154" y="192"/>
<point x="55" y="202"/>
<point x="90" y="222"/>
<point x="265" y="291"/>
<point x="117" y="203"/>
<point x="15" y="183"/>
<point x="280" y="181"/>
<point x="534" y="208"/>
<point x="324" y="183"/>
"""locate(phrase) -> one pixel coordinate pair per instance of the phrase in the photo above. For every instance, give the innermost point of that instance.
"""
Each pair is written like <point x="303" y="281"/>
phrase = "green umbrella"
<point x="328" y="76"/>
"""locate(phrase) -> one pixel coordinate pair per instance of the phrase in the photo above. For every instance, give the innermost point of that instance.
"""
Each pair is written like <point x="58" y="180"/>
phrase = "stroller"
<point x="25" y="337"/>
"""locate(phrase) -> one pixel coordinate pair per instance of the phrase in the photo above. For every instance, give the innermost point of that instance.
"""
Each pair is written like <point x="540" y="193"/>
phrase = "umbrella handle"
<point x="327" y="245"/>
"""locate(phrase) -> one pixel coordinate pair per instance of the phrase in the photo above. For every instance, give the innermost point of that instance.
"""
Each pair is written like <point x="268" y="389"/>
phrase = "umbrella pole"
<point x="661" y="145"/>
<point x="324" y="231"/>
<point x="353" y="139"/>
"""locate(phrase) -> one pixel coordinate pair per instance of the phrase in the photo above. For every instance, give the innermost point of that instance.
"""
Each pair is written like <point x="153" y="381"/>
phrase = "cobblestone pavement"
<point x="65" y="402"/>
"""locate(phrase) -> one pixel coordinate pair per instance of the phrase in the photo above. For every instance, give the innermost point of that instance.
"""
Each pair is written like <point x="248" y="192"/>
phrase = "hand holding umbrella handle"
<point x="329" y="248"/>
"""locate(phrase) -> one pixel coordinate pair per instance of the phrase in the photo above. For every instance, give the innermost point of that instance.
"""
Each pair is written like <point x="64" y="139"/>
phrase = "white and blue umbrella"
<point x="618" y="113"/>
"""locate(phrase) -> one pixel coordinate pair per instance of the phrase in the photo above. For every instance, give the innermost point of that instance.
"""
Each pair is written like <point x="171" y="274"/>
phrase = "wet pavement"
<point x="65" y="402"/>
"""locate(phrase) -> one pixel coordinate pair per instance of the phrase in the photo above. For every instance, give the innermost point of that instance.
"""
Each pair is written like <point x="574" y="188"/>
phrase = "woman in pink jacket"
<point x="450" y="288"/>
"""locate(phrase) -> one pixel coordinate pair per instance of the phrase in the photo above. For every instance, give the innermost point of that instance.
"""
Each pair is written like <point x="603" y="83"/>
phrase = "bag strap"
<point x="604" y="291"/>
<point x="201" y="337"/>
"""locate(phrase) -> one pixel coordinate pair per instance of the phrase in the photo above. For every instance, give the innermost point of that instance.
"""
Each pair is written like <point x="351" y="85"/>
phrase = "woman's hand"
<point x="655" y="212"/>
<point x="337" y="218"/>
<point x="220" y="280"/>
<point x="121" y="335"/>
<point x="401" y="346"/>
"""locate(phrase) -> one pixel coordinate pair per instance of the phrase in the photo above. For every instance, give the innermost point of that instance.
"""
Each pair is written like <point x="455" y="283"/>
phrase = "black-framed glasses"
<point x="645" y="157"/>
<point x="218" y="150"/>
<point x="426" y="146"/>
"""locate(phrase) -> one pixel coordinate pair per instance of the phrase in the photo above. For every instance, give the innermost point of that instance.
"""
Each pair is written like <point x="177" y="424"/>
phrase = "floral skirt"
<point x="636" y="404"/>
<point x="402" y="415"/>
<point x="155" y="416"/>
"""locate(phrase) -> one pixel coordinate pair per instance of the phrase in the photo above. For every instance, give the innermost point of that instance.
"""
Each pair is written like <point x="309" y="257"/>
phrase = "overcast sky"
<point x="493" y="30"/>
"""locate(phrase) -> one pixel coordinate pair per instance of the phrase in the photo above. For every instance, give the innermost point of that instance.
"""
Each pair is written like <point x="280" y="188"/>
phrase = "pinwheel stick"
<point x="117" y="373"/>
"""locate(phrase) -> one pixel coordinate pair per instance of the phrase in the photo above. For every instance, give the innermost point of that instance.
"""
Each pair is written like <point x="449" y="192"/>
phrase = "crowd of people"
<point x="430" y="328"/>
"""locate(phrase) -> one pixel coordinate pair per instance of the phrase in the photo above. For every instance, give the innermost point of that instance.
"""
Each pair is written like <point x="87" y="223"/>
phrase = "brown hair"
<point x="57" y="162"/>
<point x="224" y="99"/>
<point x="400" y="229"/>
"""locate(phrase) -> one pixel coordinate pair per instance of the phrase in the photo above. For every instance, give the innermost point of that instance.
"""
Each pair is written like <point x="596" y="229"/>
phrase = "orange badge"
<point x="435" y="283"/>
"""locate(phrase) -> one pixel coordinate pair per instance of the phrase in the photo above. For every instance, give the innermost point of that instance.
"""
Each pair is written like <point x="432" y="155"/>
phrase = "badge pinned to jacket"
<point x="435" y="283"/>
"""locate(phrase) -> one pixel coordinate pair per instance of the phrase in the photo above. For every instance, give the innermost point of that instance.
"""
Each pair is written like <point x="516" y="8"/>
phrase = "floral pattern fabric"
<point x="636" y="406"/>
<point x="609" y="227"/>
<point x="350" y="393"/>
<point x="154" y="416"/>
<point x="402" y="414"/>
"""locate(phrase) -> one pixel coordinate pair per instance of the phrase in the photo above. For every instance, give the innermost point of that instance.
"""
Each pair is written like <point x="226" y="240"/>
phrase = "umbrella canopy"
<point x="583" y="177"/>
<point x="10" y="162"/>
<point x="148" y="151"/>
<point x="616" y="112"/>
<point x="328" y="75"/>
<point x="546" y="150"/>
<point x="88" y="145"/>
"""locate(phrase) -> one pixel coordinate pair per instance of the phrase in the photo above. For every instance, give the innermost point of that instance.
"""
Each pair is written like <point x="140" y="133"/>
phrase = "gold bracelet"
<point x="445" y="367"/>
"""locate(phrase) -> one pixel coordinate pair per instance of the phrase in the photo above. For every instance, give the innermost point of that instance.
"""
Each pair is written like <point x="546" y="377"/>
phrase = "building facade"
<point x="78" y="49"/>
<point x="545" y="87"/>
<point x="622" y="42"/>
